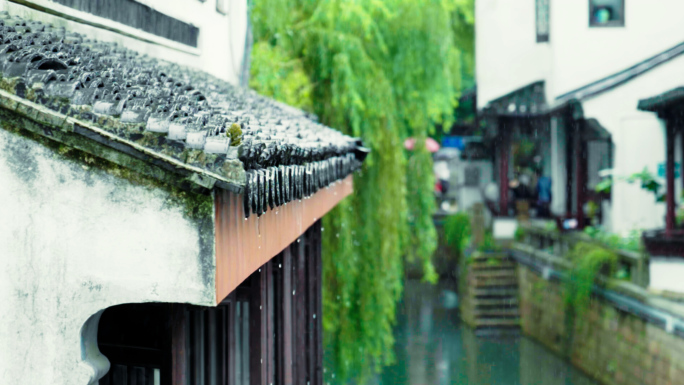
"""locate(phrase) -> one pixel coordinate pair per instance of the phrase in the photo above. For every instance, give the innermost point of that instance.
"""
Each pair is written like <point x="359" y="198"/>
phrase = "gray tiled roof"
<point x="664" y="101"/>
<point x="177" y="113"/>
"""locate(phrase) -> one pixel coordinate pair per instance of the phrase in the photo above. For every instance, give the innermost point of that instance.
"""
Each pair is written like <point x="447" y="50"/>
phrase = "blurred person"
<point x="543" y="194"/>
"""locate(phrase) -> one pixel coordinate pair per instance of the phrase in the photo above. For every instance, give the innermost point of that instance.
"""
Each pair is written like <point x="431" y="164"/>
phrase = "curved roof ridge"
<point x="617" y="79"/>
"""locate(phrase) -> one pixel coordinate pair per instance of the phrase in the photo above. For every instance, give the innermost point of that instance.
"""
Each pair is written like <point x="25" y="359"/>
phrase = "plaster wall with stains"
<point x="76" y="238"/>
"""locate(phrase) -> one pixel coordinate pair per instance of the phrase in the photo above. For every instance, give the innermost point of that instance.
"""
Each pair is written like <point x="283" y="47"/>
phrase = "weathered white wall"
<point x="221" y="45"/>
<point x="507" y="53"/>
<point x="583" y="54"/>
<point x="75" y="240"/>
<point x="666" y="274"/>
<point x="639" y="139"/>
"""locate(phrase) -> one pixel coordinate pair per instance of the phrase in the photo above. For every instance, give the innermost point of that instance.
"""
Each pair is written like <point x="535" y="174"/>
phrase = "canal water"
<point x="434" y="347"/>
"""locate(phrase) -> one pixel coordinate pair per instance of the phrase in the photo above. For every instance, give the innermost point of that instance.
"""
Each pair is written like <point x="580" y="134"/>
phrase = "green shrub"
<point x="519" y="235"/>
<point x="457" y="232"/>
<point x="631" y="242"/>
<point x="488" y="243"/>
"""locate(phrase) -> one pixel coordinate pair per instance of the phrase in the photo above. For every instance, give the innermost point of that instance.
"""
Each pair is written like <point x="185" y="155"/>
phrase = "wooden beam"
<point x="580" y="148"/>
<point x="299" y="313"/>
<point x="504" y="154"/>
<point x="669" y="177"/>
<point x="287" y="356"/>
<point x="179" y="345"/>
<point x="257" y="328"/>
<point x="244" y="245"/>
<point x="318" y="315"/>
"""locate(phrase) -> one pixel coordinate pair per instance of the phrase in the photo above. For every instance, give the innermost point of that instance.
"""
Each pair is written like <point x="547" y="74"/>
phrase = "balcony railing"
<point x="556" y="245"/>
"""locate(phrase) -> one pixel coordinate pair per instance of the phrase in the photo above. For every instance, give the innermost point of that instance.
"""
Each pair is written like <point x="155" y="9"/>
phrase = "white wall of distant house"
<point x="75" y="240"/>
<point x="222" y="37"/>
<point x="508" y="55"/>
<point x="639" y="139"/>
<point x="583" y="54"/>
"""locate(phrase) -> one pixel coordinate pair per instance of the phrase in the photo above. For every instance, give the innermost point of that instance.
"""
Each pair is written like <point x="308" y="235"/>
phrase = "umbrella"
<point x="430" y="144"/>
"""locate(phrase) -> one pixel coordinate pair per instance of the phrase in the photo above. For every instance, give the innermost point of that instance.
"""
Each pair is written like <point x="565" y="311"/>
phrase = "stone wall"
<point x="610" y="345"/>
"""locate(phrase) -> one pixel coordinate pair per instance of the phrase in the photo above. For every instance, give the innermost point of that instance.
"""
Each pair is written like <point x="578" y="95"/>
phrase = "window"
<point x="606" y="13"/>
<point x="139" y="16"/>
<point x="542" y="10"/>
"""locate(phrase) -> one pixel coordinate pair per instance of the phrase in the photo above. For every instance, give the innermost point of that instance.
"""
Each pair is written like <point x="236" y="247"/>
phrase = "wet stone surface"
<point x="176" y="111"/>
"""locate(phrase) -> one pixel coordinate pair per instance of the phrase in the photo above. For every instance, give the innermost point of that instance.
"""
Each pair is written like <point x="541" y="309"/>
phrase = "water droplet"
<point x="337" y="235"/>
<point x="322" y="228"/>
<point x="259" y="270"/>
<point x="245" y="219"/>
<point x="262" y="361"/>
<point x="276" y="213"/>
<point x="293" y="292"/>
<point x="314" y="316"/>
<point x="259" y="307"/>
<point x="299" y="240"/>
<point x="280" y="265"/>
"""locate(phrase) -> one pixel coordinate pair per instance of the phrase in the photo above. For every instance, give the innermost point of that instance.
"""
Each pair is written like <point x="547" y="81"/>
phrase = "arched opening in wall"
<point x="136" y="338"/>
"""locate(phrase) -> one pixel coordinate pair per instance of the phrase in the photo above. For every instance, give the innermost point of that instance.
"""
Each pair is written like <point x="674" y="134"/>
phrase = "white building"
<point x="590" y="62"/>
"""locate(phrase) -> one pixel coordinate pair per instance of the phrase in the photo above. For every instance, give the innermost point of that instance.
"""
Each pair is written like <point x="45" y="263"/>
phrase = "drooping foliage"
<point x="588" y="261"/>
<point x="383" y="71"/>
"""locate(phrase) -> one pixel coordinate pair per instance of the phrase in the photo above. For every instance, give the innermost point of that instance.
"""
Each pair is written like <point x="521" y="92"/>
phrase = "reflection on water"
<point x="433" y="347"/>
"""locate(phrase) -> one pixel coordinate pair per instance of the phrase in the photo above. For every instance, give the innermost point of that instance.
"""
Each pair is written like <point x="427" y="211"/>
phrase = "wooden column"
<point x="669" y="177"/>
<point x="504" y="153"/>
<point x="258" y="329"/>
<point x="681" y="147"/>
<point x="580" y="147"/>
<point x="179" y="346"/>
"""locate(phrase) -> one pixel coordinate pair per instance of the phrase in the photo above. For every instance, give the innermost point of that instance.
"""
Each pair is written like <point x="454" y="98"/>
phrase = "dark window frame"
<point x="610" y="24"/>
<point x="141" y="17"/>
<point x="542" y="37"/>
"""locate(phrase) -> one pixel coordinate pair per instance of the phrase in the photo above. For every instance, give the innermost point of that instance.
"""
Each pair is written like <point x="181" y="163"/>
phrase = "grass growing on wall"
<point x="588" y="261"/>
<point x="383" y="71"/>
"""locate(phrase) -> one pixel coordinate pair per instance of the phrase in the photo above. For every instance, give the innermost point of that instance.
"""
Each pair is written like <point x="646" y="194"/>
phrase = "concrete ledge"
<point x="622" y="295"/>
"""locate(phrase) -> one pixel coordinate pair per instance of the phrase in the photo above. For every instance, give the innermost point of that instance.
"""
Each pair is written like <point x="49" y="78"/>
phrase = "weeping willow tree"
<point x="383" y="71"/>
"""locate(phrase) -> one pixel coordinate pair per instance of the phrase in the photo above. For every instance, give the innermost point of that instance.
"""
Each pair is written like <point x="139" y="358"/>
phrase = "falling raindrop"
<point x="337" y="235"/>
<point x="280" y="265"/>
<point x="314" y="316"/>
<point x="322" y="228"/>
<point x="299" y="240"/>
<point x="293" y="292"/>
